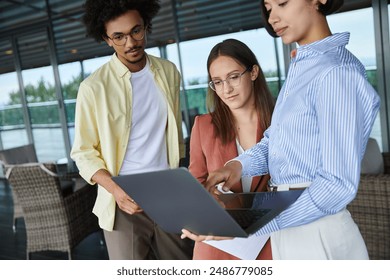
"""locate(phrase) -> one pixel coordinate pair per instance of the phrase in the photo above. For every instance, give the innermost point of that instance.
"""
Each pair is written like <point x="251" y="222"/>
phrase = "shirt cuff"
<point x="272" y="226"/>
<point x="242" y="164"/>
<point x="245" y="161"/>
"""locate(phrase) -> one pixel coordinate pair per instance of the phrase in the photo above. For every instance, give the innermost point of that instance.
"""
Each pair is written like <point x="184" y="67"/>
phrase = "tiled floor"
<point x="13" y="244"/>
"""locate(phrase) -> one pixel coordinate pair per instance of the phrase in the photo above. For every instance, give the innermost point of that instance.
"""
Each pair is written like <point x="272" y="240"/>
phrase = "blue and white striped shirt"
<point x="319" y="130"/>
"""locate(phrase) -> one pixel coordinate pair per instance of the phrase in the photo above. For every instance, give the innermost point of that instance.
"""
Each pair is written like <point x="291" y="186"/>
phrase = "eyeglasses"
<point x="233" y="80"/>
<point x="137" y="34"/>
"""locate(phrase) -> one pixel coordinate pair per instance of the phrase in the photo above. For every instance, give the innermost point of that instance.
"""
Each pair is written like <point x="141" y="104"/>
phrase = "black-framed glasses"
<point x="137" y="34"/>
<point x="232" y="80"/>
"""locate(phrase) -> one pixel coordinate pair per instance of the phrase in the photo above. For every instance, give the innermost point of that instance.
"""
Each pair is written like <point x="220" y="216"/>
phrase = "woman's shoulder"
<point x="203" y="120"/>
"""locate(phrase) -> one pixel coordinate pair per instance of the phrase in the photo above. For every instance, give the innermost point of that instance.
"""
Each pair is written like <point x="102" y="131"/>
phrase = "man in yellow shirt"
<point x="128" y="120"/>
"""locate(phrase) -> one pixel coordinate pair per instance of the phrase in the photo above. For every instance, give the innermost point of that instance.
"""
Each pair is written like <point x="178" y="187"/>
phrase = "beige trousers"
<point x="137" y="237"/>
<point x="333" y="237"/>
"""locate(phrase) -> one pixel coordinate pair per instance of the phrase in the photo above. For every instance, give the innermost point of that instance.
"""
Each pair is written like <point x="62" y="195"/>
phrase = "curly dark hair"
<point x="99" y="12"/>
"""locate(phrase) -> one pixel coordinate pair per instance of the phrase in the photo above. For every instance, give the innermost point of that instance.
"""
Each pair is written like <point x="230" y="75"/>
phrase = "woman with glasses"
<point x="240" y="107"/>
<point x="320" y="127"/>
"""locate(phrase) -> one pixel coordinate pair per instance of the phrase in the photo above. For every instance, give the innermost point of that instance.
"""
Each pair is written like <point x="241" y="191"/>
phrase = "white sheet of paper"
<point x="243" y="248"/>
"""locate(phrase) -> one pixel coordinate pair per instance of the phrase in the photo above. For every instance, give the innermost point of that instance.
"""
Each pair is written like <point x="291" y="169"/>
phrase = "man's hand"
<point x="125" y="202"/>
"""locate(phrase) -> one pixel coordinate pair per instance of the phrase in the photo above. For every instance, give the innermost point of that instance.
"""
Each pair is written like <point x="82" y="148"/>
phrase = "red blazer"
<point x="207" y="153"/>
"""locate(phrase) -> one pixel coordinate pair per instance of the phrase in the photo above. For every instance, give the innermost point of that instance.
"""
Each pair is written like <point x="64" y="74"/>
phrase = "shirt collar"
<point x="322" y="46"/>
<point x="122" y="70"/>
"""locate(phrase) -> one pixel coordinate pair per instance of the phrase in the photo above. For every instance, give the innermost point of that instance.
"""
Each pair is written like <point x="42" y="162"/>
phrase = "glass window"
<point x="93" y="64"/>
<point x="360" y="24"/>
<point x="41" y="99"/>
<point x="71" y="77"/>
<point x="153" y="51"/>
<point x="44" y="115"/>
<point x="12" y="127"/>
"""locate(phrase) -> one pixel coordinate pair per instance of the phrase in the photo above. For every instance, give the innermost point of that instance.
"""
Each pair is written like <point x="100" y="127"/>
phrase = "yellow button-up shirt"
<point x="103" y="124"/>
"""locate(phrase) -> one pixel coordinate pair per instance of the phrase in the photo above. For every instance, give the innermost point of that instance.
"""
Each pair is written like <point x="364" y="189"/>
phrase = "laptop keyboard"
<point x="246" y="218"/>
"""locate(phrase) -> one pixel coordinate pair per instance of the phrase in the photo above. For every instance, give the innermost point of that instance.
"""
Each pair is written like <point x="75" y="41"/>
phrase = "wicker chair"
<point x="17" y="155"/>
<point x="371" y="211"/>
<point x="54" y="222"/>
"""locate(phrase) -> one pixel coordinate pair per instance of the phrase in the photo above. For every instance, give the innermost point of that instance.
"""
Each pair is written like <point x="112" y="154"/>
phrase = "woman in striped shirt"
<point x="318" y="134"/>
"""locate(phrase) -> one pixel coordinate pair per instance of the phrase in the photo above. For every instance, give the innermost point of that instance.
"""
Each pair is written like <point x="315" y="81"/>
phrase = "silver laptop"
<point x="174" y="199"/>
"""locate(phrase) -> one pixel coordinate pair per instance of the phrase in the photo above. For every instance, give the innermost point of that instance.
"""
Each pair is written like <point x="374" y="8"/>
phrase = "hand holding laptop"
<point x="199" y="238"/>
<point x="123" y="199"/>
<point x="125" y="202"/>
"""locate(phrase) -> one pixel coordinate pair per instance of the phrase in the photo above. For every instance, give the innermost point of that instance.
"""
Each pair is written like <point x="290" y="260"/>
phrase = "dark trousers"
<point x="137" y="237"/>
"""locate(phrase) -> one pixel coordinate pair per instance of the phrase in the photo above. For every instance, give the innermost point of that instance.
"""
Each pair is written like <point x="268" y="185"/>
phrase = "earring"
<point x="318" y="3"/>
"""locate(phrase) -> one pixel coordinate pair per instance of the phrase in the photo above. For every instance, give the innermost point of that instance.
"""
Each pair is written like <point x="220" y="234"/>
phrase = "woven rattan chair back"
<point x="53" y="222"/>
<point x="18" y="155"/>
<point x="371" y="211"/>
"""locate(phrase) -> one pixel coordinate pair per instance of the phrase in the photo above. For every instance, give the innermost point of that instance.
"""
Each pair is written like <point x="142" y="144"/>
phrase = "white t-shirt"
<point x="147" y="149"/>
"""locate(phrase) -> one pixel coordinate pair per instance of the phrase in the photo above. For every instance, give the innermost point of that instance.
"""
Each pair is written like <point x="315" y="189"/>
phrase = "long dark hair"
<point x="222" y="118"/>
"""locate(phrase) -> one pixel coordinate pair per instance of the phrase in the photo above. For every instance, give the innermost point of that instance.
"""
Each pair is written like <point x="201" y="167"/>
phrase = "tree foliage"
<point x="42" y="92"/>
<point x="45" y="91"/>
